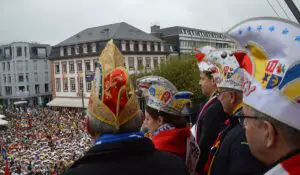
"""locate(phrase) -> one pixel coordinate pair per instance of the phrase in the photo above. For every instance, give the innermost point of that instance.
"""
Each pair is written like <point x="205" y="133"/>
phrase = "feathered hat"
<point x="112" y="99"/>
<point x="271" y="83"/>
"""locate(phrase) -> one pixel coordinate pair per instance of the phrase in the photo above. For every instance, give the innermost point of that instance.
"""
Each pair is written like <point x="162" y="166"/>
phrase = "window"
<point x="64" y="67"/>
<point x="46" y="87"/>
<point x="9" y="78"/>
<point x="140" y="46"/>
<point x="21" y="78"/>
<point x="94" y="47"/>
<point x="20" y="65"/>
<point x="131" y="63"/>
<point x="148" y="47"/>
<point x="71" y="67"/>
<point x="155" y="62"/>
<point x="8" y="90"/>
<point x="8" y="66"/>
<point x="72" y="84"/>
<point x="37" y="88"/>
<point x="36" y="78"/>
<point x="57" y="85"/>
<point x="155" y="47"/>
<point x="57" y="68"/>
<point x="95" y="64"/>
<point x="88" y="86"/>
<point x="84" y="48"/>
<point x="69" y="51"/>
<point x="27" y="88"/>
<point x="79" y="66"/>
<point x="162" y="59"/>
<point x="46" y="64"/>
<point x="3" y="66"/>
<point x="21" y="88"/>
<point x="76" y="49"/>
<point x="148" y="62"/>
<point x="131" y="44"/>
<point x="4" y="78"/>
<point x="34" y="64"/>
<point x="46" y="76"/>
<point x="19" y="51"/>
<point x="26" y="65"/>
<point x="66" y="87"/>
<point x="61" y="51"/>
<point x="87" y="65"/>
<point x="123" y="46"/>
<point x="140" y="63"/>
<point x="65" y="51"/>
<point x="80" y="83"/>
<point x="7" y="52"/>
<point x="27" y="77"/>
<point x="25" y="51"/>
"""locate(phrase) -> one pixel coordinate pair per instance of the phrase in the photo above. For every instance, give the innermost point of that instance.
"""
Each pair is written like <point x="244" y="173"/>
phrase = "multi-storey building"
<point x="71" y="58"/>
<point x="24" y="73"/>
<point x="184" y="39"/>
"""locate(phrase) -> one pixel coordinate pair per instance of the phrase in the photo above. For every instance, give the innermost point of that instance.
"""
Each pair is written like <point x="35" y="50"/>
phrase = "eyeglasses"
<point x="243" y="121"/>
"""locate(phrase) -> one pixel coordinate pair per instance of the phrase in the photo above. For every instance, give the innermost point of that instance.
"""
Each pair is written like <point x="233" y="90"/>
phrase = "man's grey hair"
<point x="239" y="94"/>
<point x="291" y="135"/>
<point x="98" y="126"/>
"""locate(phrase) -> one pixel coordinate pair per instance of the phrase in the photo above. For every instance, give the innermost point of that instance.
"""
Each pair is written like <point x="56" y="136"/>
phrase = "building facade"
<point x="74" y="56"/>
<point x="25" y="73"/>
<point x="184" y="39"/>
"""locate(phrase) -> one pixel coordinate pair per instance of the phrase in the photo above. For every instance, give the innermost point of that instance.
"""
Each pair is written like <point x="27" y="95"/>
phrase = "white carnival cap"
<point x="272" y="82"/>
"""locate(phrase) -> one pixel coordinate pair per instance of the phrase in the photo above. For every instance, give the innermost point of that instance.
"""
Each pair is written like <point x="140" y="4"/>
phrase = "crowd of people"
<point x="42" y="140"/>
<point x="249" y="124"/>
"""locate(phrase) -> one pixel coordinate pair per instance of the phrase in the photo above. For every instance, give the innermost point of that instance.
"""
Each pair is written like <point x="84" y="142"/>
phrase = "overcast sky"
<point x="51" y="21"/>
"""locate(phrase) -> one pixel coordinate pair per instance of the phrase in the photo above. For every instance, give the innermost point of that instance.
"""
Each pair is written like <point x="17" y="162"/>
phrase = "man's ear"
<point x="160" y="120"/>
<point x="269" y="134"/>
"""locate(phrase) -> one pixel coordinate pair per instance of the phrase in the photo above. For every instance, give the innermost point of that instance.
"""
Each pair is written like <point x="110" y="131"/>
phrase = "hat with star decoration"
<point x="112" y="100"/>
<point x="271" y="84"/>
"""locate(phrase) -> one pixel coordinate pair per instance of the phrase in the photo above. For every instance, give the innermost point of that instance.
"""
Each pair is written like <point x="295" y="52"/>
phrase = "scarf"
<point x="107" y="138"/>
<point x="163" y="127"/>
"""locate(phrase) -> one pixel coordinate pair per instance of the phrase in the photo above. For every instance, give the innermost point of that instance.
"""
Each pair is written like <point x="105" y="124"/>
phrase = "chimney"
<point x="155" y="28"/>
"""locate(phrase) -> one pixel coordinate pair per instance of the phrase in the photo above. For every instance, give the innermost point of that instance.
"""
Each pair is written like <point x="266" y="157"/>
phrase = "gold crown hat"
<point x="113" y="100"/>
<point x="271" y="84"/>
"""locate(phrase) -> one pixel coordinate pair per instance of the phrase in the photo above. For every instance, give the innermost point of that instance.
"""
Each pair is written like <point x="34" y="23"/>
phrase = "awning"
<point x="3" y="122"/>
<point x="2" y="116"/>
<point x="68" y="102"/>
<point x="20" y="102"/>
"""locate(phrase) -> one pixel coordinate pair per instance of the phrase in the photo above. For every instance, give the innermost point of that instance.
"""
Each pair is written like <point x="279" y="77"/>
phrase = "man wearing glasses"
<point x="230" y="154"/>
<point x="271" y="89"/>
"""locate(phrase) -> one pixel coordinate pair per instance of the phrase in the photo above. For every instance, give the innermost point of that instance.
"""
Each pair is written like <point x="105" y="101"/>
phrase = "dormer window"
<point x="85" y="49"/>
<point x="155" y="47"/>
<point x="94" y="47"/>
<point x="162" y="48"/>
<point x="131" y="46"/>
<point x="148" y="46"/>
<point x="123" y="45"/>
<point x="69" y="50"/>
<point x="61" y="51"/>
<point x="140" y="46"/>
<point x="76" y="49"/>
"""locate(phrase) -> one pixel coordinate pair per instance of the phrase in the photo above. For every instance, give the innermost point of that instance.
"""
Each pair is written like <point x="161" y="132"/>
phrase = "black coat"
<point x="211" y="123"/>
<point x="136" y="156"/>
<point x="234" y="156"/>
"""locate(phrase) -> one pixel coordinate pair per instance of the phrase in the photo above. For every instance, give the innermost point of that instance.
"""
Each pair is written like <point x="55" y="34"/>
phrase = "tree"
<point x="182" y="72"/>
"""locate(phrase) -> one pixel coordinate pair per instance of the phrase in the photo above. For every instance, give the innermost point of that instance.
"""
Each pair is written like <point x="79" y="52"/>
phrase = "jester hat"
<point x="271" y="83"/>
<point x="200" y="53"/>
<point x="144" y="83"/>
<point x="226" y="64"/>
<point x="164" y="98"/>
<point x="112" y="99"/>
